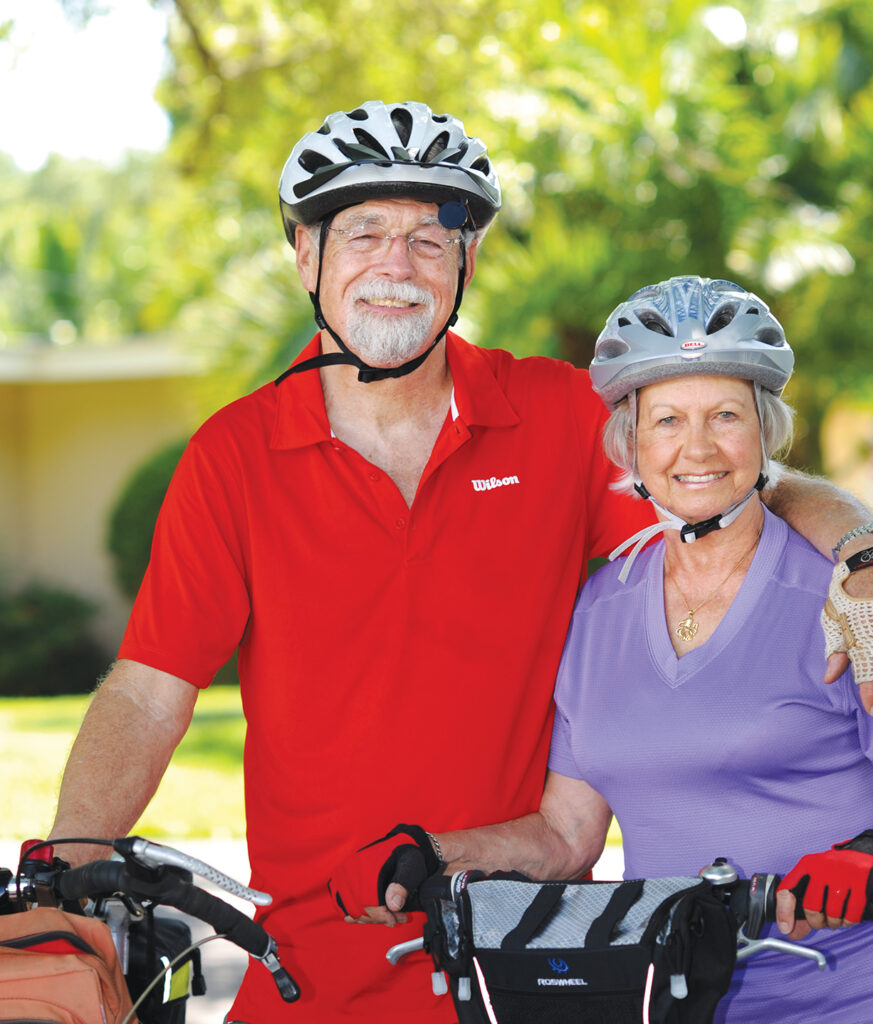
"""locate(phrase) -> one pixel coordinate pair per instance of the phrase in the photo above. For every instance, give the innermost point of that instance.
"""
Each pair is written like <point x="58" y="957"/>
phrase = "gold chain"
<point x="687" y="628"/>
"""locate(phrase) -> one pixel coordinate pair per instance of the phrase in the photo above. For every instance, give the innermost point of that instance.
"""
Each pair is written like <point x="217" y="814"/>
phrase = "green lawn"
<point x="201" y="794"/>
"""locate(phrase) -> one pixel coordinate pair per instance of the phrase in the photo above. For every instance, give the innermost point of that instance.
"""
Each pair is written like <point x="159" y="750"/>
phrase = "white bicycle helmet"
<point x="386" y="151"/>
<point x="390" y="150"/>
<point x="689" y="325"/>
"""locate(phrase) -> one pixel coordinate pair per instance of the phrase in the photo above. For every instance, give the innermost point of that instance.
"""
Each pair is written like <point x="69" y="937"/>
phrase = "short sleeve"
<point x="613" y="517"/>
<point x="193" y="605"/>
<point x="561" y="758"/>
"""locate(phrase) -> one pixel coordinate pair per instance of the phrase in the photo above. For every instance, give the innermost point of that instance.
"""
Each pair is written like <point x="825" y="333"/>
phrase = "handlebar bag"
<point x="155" y="942"/>
<point x="655" y="951"/>
<point x="61" y="968"/>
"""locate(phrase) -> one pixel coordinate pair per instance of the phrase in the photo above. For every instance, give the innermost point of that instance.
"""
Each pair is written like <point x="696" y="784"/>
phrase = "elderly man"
<point x="394" y="542"/>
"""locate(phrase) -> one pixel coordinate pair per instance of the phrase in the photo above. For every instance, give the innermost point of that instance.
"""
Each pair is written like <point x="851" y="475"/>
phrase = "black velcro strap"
<point x="534" y="919"/>
<point x="624" y="897"/>
<point x="860" y="560"/>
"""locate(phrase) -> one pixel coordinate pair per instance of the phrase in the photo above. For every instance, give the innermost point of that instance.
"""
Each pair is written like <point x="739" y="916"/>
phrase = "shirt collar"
<point x="301" y="418"/>
<point x="477" y="398"/>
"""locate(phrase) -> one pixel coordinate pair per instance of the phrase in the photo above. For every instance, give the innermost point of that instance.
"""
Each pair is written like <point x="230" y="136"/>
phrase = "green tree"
<point x="634" y="140"/>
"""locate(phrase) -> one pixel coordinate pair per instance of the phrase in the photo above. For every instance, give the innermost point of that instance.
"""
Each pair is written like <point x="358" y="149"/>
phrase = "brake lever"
<point x="157" y="855"/>
<point x="749" y="947"/>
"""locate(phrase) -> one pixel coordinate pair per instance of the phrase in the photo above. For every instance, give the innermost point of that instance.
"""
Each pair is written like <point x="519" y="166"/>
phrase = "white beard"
<point x="386" y="340"/>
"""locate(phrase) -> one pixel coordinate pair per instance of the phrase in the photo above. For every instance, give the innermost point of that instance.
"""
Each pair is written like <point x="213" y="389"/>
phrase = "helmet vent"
<point x="458" y="155"/>
<point x="612" y="348"/>
<point x="359" y="115"/>
<point x="402" y="121"/>
<point x="653" y="321"/>
<point x="311" y="161"/>
<point x="366" y="139"/>
<point x="483" y="164"/>
<point x="440" y="118"/>
<point x="324" y="129"/>
<point x="721" y="317"/>
<point x="769" y="336"/>
<point x="431" y="154"/>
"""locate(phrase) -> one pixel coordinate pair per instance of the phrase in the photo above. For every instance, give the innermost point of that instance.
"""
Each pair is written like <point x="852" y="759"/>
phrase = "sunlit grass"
<point x="201" y="794"/>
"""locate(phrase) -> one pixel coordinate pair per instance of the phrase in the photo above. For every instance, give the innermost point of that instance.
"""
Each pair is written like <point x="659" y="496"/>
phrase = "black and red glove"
<point x="837" y="883"/>
<point x="404" y="855"/>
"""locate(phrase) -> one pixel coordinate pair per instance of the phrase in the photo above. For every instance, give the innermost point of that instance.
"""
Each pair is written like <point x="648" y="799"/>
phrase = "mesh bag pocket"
<point x="656" y="950"/>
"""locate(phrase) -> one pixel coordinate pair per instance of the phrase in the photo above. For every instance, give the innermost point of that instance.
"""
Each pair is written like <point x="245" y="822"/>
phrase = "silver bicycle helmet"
<point x="389" y="150"/>
<point x="689" y="325"/>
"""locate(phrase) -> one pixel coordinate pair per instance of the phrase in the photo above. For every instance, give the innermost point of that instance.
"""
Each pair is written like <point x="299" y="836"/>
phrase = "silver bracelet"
<point x="851" y="535"/>
<point x="436" y="846"/>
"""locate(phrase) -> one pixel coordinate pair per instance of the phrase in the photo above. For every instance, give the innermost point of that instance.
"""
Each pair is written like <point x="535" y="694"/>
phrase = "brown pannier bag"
<point x="59" y="968"/>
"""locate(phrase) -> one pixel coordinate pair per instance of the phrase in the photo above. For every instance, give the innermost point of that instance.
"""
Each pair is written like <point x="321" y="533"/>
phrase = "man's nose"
<point x="397" y="256"/>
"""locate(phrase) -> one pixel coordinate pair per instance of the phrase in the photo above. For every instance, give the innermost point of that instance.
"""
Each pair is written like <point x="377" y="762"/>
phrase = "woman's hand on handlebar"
<point x="791" y="928"/>
<point x="838" y="883"/>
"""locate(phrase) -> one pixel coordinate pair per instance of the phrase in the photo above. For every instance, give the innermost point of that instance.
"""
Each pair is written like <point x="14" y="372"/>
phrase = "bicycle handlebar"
<point x="753" y="902"/>
<point x="155" y="854"/>
<point x="106" y="877"/>
<point x="167" y="885"/>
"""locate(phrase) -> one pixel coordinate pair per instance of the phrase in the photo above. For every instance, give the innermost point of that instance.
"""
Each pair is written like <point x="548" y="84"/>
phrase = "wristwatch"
<point x="860" y="560"/>
<point x="851" y="535"/>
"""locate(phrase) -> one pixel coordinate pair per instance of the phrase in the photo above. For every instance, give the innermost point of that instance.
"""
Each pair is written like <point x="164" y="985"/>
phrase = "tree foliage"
<point x="45" y="644"/>
<point x="634" y="140"/>
<point x="133" y="517"/>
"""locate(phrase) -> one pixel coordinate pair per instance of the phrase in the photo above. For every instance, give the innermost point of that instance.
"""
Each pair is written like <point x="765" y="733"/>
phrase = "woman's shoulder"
<point x="604" y="584"/>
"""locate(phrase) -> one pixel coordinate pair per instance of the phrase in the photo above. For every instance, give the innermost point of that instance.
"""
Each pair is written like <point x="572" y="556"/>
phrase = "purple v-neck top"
<point x="737" y="749"/>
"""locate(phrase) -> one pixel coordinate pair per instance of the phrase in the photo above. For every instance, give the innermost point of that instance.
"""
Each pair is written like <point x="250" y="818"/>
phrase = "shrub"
<point x="132" y="520"/>
<point x="45" y="646"/>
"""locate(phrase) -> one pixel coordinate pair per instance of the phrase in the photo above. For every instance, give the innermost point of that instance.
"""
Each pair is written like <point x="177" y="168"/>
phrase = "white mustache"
<point x="400" y="291"/>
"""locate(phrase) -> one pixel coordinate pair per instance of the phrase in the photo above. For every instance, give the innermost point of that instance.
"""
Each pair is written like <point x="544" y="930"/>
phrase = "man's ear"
<point x="470" y="262"/>
<point x="307" y="257"/>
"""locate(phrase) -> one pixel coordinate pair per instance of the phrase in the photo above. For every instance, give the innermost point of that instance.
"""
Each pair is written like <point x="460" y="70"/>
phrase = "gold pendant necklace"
<point x="687" y="628"/>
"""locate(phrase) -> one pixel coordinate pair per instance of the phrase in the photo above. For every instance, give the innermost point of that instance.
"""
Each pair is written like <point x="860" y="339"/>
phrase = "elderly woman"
<point x="689" y="697"/>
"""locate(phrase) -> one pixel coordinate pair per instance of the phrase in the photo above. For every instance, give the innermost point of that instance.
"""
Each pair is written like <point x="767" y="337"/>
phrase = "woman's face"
<point x="698" y="443"/>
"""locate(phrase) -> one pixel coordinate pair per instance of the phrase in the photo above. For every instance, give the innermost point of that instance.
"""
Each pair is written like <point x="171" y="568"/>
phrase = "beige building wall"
<point x="12" y="458"/>
<point x="67" y="447"/>
<point x="847" y="447"/>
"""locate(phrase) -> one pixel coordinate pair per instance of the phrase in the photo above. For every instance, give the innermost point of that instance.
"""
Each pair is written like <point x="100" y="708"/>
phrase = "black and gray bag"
<point x="659" y="951"/>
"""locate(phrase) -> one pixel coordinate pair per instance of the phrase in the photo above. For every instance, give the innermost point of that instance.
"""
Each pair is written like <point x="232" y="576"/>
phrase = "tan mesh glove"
<point x="848" y="625"/>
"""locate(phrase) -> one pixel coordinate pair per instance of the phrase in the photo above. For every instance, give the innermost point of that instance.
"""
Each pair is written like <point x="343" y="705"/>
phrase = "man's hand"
<point x="847" y="621"/>
<point x="381" y="880"/>
<point x="835" y="888"/>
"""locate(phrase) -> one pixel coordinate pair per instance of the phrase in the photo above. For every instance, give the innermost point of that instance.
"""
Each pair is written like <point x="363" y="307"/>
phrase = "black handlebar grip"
<point x="239" y="928"/>
<point x="92" y="880"/>
<point x="169" y="887"/>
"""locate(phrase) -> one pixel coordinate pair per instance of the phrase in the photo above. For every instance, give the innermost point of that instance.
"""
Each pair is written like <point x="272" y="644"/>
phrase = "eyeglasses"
<point x="426" y="243"/>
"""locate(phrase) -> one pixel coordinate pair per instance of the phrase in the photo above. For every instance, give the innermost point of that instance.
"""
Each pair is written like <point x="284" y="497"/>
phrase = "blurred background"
<point x="145" y="280"/>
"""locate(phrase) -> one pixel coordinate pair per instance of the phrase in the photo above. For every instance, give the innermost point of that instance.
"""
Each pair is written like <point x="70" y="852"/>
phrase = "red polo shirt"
<point x="396" y="663"/>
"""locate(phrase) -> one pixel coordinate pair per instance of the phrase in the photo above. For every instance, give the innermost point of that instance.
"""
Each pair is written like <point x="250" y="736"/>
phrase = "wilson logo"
<point x="494" y="481"/>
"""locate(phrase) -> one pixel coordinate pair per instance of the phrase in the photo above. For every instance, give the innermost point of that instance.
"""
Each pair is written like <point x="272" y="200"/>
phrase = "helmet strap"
<point x="367" y="373"/>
